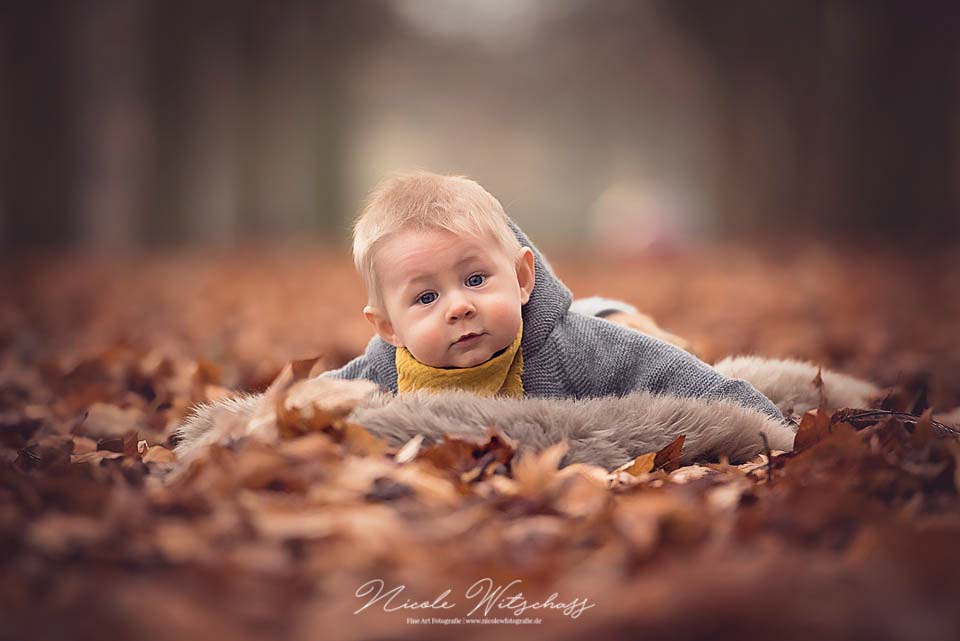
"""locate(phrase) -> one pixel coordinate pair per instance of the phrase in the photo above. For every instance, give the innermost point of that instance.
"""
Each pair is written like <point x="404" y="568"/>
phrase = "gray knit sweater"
<point x="570" y="355"/>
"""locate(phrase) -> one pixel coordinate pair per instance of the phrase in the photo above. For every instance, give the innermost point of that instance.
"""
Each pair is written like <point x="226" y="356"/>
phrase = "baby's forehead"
<point x="411" y="253"/>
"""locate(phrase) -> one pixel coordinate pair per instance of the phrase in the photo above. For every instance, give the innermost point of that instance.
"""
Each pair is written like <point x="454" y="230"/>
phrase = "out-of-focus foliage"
<point x="102" y="534"/>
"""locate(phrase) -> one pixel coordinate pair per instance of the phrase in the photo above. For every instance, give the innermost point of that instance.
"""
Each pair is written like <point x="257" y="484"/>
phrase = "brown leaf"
<point x="126" y="445"/>
<point x="357" y="440"/>
<point x="310" y="447"/>
<point x="105" y="420"/>
<point x="42" y="457"/>
<point x="668" y="459"/>
<point x="923" y="433"/>
<point x="640" y="465"/>
<point x="96" y="456"/>
<point x="584" y="493"/>
<point x="534" y="471"/>
<point x="82" y="445"/>
<point x="258" y="465"/>
<point x="205" y="374"/>
<point x="216" y="393"/>
<point x="460" y="455"/>
<point x="307" y="367"/>
<point x="57" y="532"/>
<point x="387" y="489"/>
<point x="159" y="454"/>
<point x="821" y="395"/>
<point x="317" y="403"/>
<point x="814" y="427"/>
<point x="16" y="431"/>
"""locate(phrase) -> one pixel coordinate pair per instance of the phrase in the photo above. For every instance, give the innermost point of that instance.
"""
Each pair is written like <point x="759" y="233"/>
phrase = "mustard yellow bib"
<point x="499" y="376"/>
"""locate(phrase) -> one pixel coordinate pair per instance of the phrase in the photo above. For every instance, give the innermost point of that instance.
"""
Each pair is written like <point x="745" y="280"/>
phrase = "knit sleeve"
<point x="357" y="368"/>
<point x="375" y="364"/>
<point x="599" y="306"/>
<point x="606" y="359"/>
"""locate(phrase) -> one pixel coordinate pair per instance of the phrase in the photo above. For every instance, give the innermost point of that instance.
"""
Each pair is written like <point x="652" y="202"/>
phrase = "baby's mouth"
<point x="467" y="338"/>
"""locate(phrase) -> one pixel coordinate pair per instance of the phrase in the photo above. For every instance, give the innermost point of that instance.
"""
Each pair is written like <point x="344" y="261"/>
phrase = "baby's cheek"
<point x="426" y="338"/>
<point x="507" y="316"/>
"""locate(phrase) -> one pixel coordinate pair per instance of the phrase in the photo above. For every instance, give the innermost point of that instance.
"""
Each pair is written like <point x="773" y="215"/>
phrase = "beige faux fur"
<point x="604" y="431"/>
<point x="790" y="383"/>
<point x="215" y="422"/>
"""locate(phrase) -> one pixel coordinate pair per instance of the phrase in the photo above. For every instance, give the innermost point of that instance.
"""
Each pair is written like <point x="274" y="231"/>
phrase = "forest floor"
<point x="104" y="535"/>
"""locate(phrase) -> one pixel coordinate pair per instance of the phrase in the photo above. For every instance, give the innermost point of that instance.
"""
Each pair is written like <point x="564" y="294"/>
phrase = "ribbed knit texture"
<point x="568" y="355"/>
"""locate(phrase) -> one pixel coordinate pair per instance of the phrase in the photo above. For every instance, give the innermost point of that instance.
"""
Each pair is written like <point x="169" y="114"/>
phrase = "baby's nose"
<point x="461" y="309"/>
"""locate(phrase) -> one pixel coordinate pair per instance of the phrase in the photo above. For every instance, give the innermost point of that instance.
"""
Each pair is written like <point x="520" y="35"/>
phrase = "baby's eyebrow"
<point x="420" y="278"/>
<point x="427" y="276"/>
<point x="469" y="258"/>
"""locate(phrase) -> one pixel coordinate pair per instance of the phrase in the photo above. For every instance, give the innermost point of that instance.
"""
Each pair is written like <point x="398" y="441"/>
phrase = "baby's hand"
<point x="646" y="325"/>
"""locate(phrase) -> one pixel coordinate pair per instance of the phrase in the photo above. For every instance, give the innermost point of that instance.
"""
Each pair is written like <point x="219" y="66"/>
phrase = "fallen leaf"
<point x="159" y="454"/>
<point x="640" y="465"/>
<point x="814" y="427"/>
<point x="668" y="459"/>
<point x="109" y="421"/>
<point x="409" y="450"/>
<point x="923" y="433"/>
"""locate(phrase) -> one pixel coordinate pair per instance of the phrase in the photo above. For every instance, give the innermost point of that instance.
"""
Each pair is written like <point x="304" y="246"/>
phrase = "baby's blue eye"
<point x="476" y="280"/>
<point x="427" y="297"/>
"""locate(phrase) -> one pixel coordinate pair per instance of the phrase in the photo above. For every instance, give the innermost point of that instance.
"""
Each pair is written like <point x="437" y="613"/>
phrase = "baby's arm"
<point x="376" y="363"/>
<point x="601" y="307"/>
<point x="603" y="359"/>
<point x="625" y="314"/>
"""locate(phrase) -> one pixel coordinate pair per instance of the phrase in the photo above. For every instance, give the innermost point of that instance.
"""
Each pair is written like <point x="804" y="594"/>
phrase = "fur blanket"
<point x="792" y="386"/>
<point x="602" y="431"/>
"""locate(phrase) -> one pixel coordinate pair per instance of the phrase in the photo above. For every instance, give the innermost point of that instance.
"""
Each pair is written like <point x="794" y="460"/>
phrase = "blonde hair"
<point x="423" y="200"/>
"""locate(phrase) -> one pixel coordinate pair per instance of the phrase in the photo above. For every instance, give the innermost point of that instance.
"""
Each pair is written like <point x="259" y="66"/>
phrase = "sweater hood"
<point x="549" y="301"/>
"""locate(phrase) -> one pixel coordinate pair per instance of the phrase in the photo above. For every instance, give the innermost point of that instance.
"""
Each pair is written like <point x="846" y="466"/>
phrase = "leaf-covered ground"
<point x="103" y="534"/>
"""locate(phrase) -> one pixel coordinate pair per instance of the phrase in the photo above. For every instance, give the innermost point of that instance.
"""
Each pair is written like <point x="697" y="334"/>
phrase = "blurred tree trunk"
<point x="5" y="115"/>
<point x="296" y="119"/>
<point x="35" y="177"/>
<point x="197" y="90"/>
<point x="908" y="112"/>
<point x="111" y="150"/>
<point x="828" y="126"/>
<point x="839" y="115"/>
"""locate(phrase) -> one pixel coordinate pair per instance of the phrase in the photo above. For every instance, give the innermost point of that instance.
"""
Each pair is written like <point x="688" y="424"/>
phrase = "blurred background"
<point x="177" y="179"/>
<point x="637" y="124"/>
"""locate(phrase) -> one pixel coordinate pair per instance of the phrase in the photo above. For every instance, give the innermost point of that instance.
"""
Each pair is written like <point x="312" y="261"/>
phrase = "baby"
<point x="460" y="299"/>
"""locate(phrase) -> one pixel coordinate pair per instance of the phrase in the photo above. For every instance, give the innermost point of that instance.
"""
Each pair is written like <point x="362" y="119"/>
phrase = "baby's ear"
<point x="526" y="277"/>
<point x="381" y="325"/>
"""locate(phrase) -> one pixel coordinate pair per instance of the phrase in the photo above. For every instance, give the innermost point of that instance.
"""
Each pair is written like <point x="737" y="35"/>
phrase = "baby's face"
<point x="452" y="301"/>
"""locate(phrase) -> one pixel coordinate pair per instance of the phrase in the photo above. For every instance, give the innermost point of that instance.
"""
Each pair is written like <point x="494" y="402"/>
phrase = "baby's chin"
<point x="461" y="361"/>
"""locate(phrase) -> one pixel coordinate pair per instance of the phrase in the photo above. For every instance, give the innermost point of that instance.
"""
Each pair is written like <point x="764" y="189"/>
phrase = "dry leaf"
<point x="814" y="427"/>
<point x="265" y="536"/>
<point x="640" y="465"/>
<point x="409" y="450"/>
<point x="159" y="454"/>
<point x="461" y="455"/>
<point x="317" y="403"/>
<point x="535" y="471"/>
<point x="109" y="421"/>
<point x="668" y="458"/>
